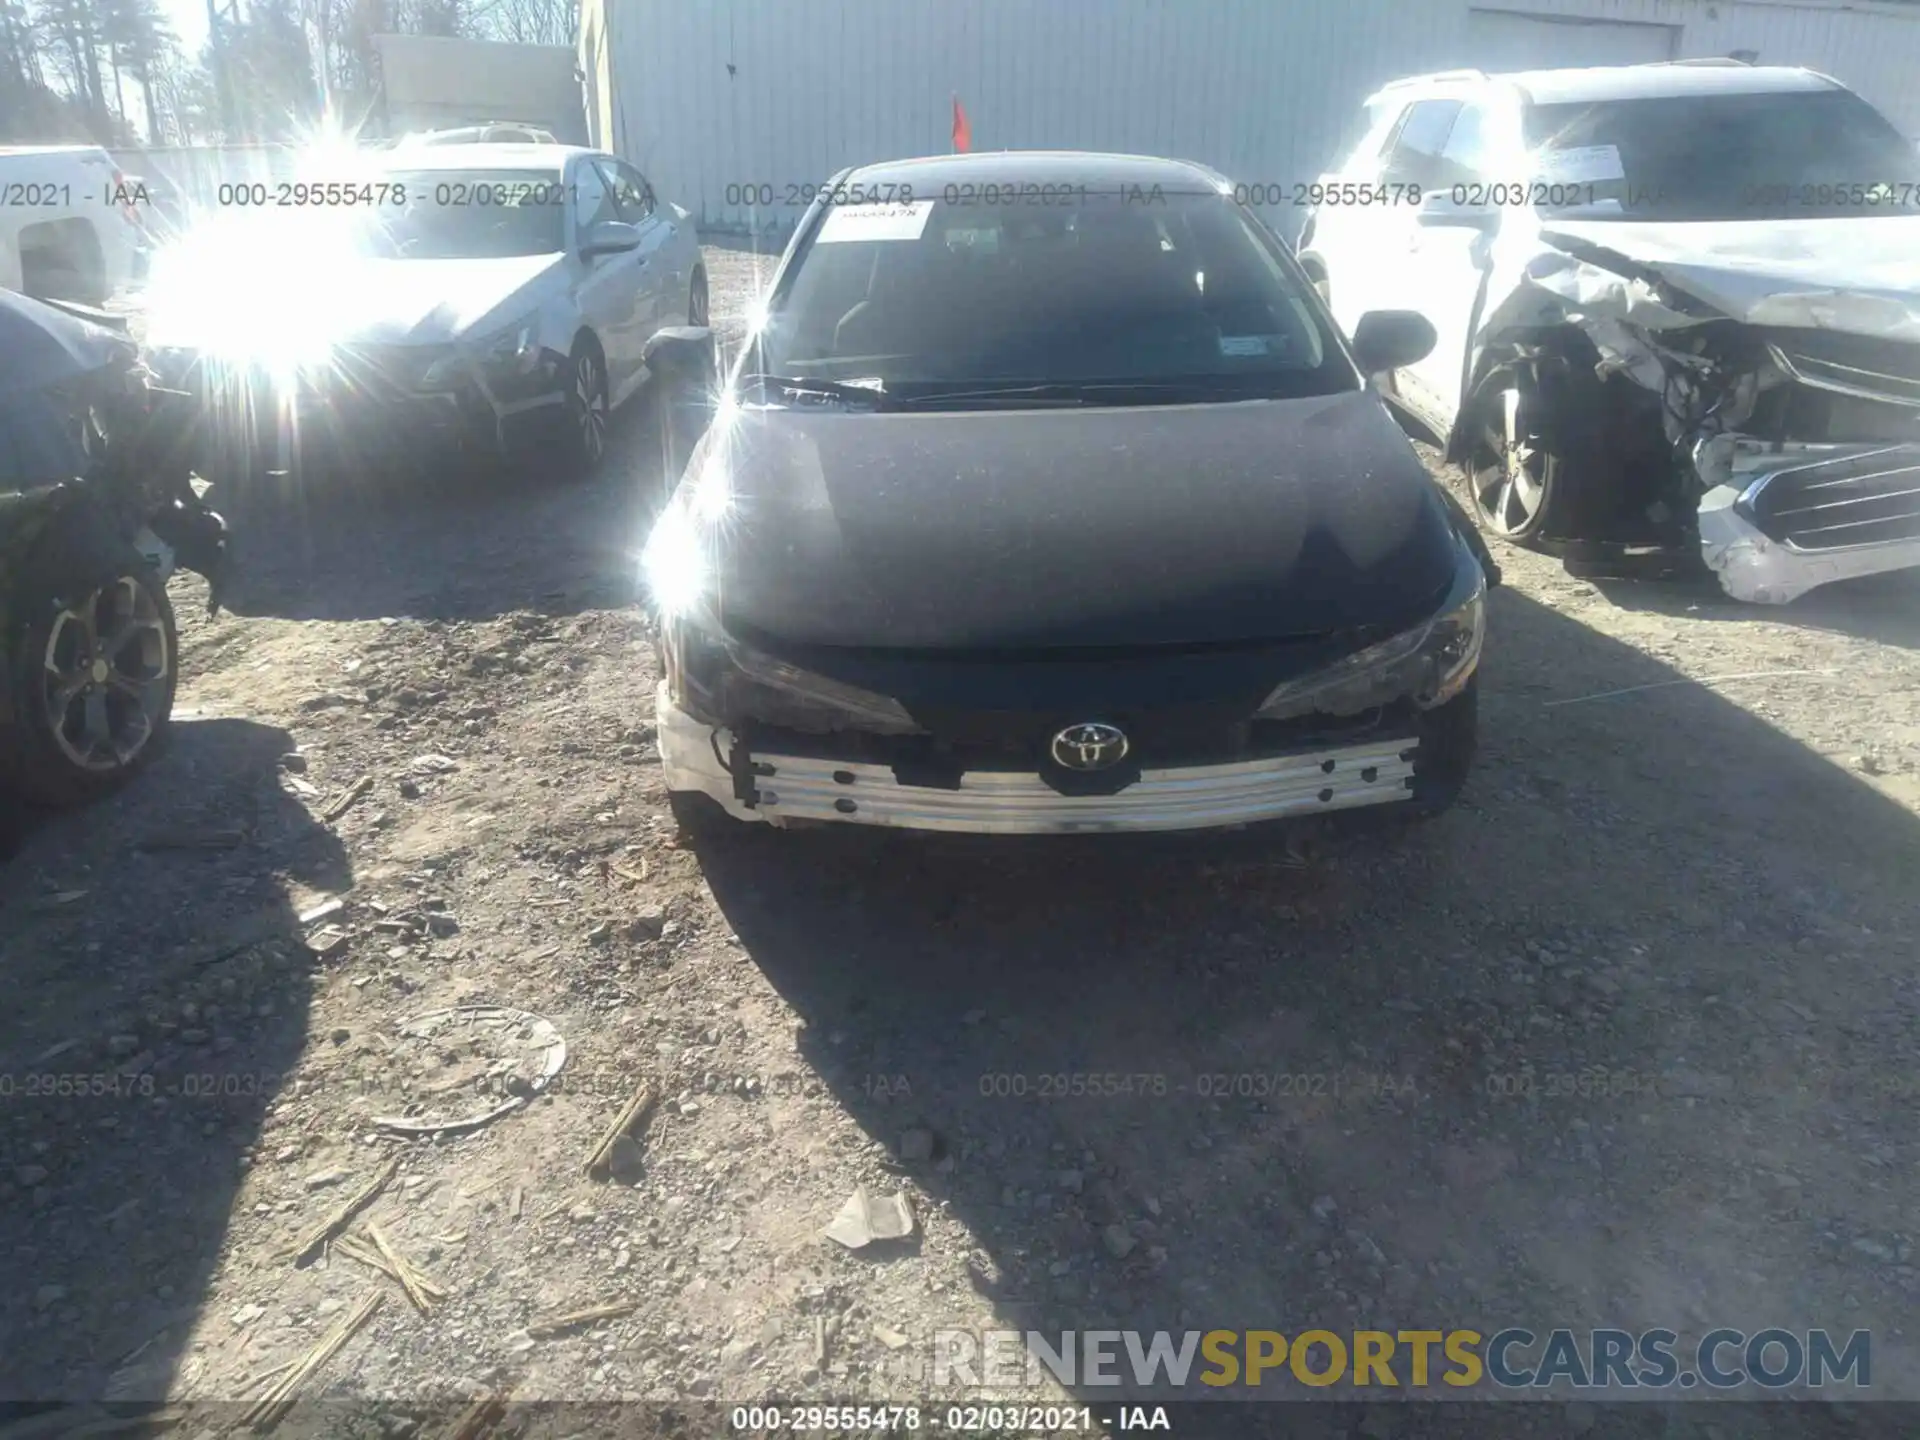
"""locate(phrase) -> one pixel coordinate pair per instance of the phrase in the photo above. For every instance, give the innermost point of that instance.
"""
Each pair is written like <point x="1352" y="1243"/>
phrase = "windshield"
<point x="1177" y="291"/>
<point x="464" y="214"/>
<point x="1733" y="157"/>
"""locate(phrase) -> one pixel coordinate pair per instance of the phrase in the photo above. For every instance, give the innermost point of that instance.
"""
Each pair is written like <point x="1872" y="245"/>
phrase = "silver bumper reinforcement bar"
<point x="798" y="788"/>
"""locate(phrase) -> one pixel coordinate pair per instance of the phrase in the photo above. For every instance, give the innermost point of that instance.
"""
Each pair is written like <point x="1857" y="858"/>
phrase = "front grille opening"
<point x="1018" y="744"/>
<point x="1865" y="500"/>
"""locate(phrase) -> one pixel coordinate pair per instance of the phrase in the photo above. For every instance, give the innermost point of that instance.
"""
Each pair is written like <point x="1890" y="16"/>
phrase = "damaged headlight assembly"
<point x="724" y="682"/>
<point x="1429" y="664"/>
<point x="504" y="355"/>
<point x="713" y="675"/>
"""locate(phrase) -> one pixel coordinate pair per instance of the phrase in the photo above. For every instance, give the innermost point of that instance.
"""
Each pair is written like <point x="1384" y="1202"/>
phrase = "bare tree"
<point x="67" y="36"/>
<point x="136" y="35"/>
<point x="187" y="100"/>
<point x="271" y="65"/>
<point x="529" y="22"/>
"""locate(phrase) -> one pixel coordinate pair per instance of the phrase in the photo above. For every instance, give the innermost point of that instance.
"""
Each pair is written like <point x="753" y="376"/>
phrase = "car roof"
<point x="498" y="155"/>
<point x="1649" y="82"/>
<point x="1094" y="169"/>
<point x="1628" y="82"/>
<point x="54" y="150"/>
<point x="503" y="132"/>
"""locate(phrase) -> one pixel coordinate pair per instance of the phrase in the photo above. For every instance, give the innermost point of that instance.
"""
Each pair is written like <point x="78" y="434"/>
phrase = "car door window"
<point x="593" y="199"/>
<point x="1415" y="155"/>
<point x="1367" y="153"/>
<point x="631" y="191"/>
<point x="1468" y="153"/>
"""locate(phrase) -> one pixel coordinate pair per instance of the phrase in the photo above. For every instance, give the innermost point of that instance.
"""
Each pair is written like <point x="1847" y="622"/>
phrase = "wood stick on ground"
<point x="631" y="1114"/>
<point x="361" y="1253"/>
<point x="313" y="1239"/>
<point x="254" y="1382"/>
<point x="271" y="1408"/>
<point x="404" y="1272"/>
<point x="479" y="1417"/>
<point x="560" y="1324"/>
<point x="345" y="803"/>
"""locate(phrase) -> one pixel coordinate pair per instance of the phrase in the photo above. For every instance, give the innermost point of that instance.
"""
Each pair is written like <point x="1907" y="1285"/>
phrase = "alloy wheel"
<point x="107" y="672"/>
<point x="1510" y="470"/>
<point x="590" y="402"/>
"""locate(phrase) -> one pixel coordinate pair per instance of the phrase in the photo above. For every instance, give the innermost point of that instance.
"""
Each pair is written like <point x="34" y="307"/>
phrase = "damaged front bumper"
<point x="1787" y="519"/>
<point x="1783" y="369"/>
<point x="782" y="788"/>
<point x="370" y="402"/>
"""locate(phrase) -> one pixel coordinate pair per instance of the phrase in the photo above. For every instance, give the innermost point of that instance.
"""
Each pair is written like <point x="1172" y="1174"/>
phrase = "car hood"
<point x="355" y="301"/>
<point x="434" y="302"/>
<point x="1857" y="275"/>
<point x="1049" y="529"/>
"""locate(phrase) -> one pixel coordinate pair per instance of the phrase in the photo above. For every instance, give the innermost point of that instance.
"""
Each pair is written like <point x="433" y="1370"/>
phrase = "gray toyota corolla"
<point x="1045" y="498"/>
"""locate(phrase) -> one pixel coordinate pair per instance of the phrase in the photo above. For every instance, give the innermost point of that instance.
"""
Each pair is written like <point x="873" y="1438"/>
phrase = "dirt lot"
<point x="1629" y="1038"/>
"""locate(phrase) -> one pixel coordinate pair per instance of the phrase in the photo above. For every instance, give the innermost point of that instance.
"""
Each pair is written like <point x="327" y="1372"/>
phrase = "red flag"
<point x="962" y="132"/>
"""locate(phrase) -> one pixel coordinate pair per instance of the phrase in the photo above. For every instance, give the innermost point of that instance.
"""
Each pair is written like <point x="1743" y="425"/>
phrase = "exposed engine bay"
<point x="1749" y="388"/>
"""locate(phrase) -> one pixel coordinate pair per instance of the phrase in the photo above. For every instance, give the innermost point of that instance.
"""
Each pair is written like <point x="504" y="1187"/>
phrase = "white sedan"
<point x="485" y="295"/>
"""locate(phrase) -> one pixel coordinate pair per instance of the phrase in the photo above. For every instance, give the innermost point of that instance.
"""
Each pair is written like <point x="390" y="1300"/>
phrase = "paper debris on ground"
<point x="865" y="1218"/>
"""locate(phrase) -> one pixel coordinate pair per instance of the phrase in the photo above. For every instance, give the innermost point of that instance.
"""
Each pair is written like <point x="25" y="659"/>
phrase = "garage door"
<point x="1500" y="40"/>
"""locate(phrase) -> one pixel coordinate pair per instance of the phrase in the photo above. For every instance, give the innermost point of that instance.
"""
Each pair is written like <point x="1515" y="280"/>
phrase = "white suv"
<point x="70" y="227"/>
<point x="1674" y="305"/>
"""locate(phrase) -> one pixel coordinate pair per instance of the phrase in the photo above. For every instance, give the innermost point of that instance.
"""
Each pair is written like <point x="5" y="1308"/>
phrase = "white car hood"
<point x="349" y="300"/>
<point x="1859" y="275"/>
<point x="431" y="302"/>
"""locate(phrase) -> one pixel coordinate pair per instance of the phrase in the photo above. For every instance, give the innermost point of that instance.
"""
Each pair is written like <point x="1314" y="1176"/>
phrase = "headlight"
<point x="517" y="351"/>
<point x="1429" y="664"/>
<point x="721" y="680"/>
<point x="509" y="352"/>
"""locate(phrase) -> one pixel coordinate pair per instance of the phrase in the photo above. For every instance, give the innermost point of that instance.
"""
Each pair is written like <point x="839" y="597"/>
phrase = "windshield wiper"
<point x="871" y="394"/>
<point x="1097" y="392"/>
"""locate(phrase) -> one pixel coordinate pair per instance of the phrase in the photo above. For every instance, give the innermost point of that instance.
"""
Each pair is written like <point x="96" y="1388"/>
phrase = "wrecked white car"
<point x="1678" y="309"/>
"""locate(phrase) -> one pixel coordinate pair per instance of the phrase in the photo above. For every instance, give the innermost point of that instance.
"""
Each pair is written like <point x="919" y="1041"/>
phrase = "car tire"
<point x="583" y="438"/>
<point x="1530" y="458"/>
<point x="79" y="734"/>
<point x="697" y="818"/>
<point x="1449" y="737"/>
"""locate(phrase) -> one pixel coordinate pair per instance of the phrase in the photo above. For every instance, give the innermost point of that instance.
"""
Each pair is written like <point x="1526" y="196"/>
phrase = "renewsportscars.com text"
<point x="1457" y="1359"/>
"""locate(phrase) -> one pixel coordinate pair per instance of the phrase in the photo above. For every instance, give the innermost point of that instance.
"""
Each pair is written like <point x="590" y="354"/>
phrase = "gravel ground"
<point x="1627" y="1039"/>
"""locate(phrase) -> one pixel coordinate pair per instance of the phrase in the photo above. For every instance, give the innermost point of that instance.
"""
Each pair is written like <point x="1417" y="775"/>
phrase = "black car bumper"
<point x="366" y="408"/>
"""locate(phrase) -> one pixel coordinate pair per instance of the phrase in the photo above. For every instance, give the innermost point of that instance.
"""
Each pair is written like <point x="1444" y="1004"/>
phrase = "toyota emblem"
<point x="1090" y="746"/>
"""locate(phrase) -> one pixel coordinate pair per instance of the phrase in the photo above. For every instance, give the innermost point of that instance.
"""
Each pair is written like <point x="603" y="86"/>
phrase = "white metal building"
<point x="727" y="101"/>
<point x="430" y="82"/>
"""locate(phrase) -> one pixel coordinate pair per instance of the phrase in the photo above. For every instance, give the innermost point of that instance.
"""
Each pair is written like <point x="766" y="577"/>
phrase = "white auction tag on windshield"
<point x="875" y="222"/>
<point x="1581" y="165"/>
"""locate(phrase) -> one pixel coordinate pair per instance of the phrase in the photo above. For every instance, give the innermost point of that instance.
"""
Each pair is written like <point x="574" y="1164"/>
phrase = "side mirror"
<point x="1391" y="339"/>
<point x="1440" y="209"/>
<point x="609" y="237"/>
<point x="681" y="353"/>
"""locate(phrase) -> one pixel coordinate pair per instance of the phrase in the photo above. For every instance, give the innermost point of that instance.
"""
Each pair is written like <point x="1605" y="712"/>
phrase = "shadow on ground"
<point x="1590" y="1050"/>
<point x="158" y="990"/>
<point x="454" y="541"/>
<point x="1882" y="608"/>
